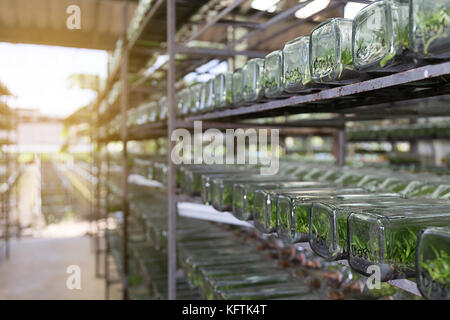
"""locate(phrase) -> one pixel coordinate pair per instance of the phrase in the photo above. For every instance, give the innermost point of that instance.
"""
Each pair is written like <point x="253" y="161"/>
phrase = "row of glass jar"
<point x="337" y="51"/>
<point x="148" y="112"/>
<point x="398" y="132"/>
<point x="317" y="211"/>
<point x="233" y="265"/>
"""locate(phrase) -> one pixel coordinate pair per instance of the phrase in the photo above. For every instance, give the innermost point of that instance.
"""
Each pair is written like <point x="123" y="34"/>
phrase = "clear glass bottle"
<point x="238" y="88"/>
<point x="195" y="95"/>
<point x="381" y="37"/>
<point x="163" y="108"/>
<point x="293" y="209"/>
<point x="430" y="29"/>
<point x="296" y="71"/>
<point x="209" y="99"/>
<point x="433" y="263"/>
<point x="203" y="97"/>
<point x="328" y="221"/>
<point x="153" y="115"/>
<point x="142" y="114"/>
<point x="222" y="189"/>
<point x="330" y="55"/>
<point x="253" y="80"/>
<point x="243" y="194"/>
<point x="131" y="117"/>
<point x="387" y="237"/>
<point x="273" y="74"/>
<point x="223" y="89"/>
<point x="185" y="101"/>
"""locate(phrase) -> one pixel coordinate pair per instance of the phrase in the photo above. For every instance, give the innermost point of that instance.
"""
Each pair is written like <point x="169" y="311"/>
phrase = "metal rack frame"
<point x="371" y="95"/>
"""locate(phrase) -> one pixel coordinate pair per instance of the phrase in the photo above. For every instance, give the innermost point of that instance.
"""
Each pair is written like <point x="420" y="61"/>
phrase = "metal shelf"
<point x="371" y="92"/>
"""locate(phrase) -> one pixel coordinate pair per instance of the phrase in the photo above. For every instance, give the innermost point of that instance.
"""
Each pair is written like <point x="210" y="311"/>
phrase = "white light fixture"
<point x="352" y="8"/>
<point x="311" y="8"/>
<point x="264" y="5"/>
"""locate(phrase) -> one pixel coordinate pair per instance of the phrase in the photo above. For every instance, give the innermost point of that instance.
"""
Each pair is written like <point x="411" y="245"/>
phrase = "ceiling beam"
<point x="65" y="38"/>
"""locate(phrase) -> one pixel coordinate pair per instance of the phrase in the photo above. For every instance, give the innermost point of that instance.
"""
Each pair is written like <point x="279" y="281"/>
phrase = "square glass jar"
<point x="293" y="210"/>
<point x="185" y="101"/>
<point x="238" y="88"/>
<point x="152" y="110"/>
<point x="328" y="221"/>
<point x="243" y="193"/>
<point x="222" y="188"/>
<point x="387" y="237"/>
<point x="296" y="71"/>
<point x="131" y="117"/>
<point x="223" y="89"/>
<point x="433" y="263"/>
<point x="273" y="74"/>
<point x="330" y="53"/>
<point x="195" y="97"/>
<point x="162" y="109"/>
<point x="253" y="80"/>
<point x="381" y="37"/>
<point x="209" y="99"/>
<point x="142" y="114"/>
<point x="429" y="29"/>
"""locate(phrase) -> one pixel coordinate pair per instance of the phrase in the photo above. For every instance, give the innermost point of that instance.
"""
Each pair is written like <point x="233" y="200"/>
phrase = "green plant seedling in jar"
<point x="195" y="94"/>
<point x="328" y="221"/>
<point x="209" y="100"/>
<point x="185" y="101"/>
<point x="433" y="263"/>
<point x="386" y="237"/>
<point x="330" y="55"/>
<point x="296" y="71"/>
<point x="238" y="88"/>
<point x="381" y="37"/>
<point x="243" y="193"/>
<point x="429" y="27"/>
<point x="252" y="78"/>
<point x="223" y="89"/>
<point x="273" y="74"/>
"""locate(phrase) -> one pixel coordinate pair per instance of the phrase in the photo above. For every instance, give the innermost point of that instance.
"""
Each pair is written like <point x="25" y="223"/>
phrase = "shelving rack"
<point x="377" y="98"/>
<point x="8" y="181"/>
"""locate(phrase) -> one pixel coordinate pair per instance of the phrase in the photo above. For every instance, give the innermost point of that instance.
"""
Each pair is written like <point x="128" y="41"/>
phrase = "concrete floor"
<point x="38" y="262"/>
<point x="37" y="270"/>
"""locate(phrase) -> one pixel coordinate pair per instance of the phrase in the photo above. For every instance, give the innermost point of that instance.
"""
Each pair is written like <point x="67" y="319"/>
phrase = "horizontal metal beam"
<point x="421" y="73"/>
<point x="215" y="19"/>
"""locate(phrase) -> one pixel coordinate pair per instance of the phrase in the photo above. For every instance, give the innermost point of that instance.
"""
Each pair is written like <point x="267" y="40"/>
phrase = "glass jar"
<point x="442" y="192"/>
<point x="223" y="89"/>
<point x="208" y="99"/>
<point x="222" y="189"/>
<point x="328" y="221"/>
<point x="293" y="209"/>
<point x="238" y="88"/>
<point x="185" y="103"/>
<point x="203" y="96"/>
<point x="381" y="37"/>
<point x="387" y="237"/>
<point x="161" y="109"/>
<point x="243" y="194"/>
<point x="253" y="80"/>
<point x="430" y="29"/>
<point x="330" y="55"/>
<point x="273" y="74"/>
<point x="433" y="263"/>
<point x="272" y="291"/>
<point x="195" y="95"/>
<point x="152" y="111"/>
<point x="131" y="117"/>
<point x="296" y="72"/>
